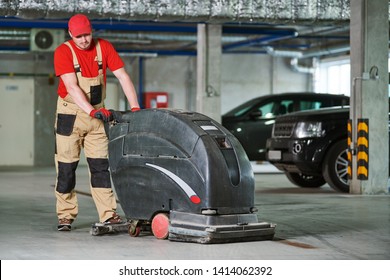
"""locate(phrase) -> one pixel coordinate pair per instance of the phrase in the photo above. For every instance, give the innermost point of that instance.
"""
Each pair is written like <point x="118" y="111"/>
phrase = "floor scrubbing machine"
<point x="184" y="177"/>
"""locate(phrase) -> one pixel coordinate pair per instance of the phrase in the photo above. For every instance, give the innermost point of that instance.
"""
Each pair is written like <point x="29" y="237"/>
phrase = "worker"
<point x="81" y="65"/>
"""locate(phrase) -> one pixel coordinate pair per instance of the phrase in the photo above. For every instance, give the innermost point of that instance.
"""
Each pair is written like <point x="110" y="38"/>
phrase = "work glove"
<point x="102" y="114"/>
<point x="135" y="109"/>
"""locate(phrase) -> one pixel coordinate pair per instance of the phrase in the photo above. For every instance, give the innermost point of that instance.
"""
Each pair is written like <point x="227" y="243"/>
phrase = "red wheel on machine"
<point x="134" y="231"/>
<point x="160" y="226"/>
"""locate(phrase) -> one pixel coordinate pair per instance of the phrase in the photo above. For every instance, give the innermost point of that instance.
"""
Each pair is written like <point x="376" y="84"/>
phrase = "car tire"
<point x="335" y="167"/>
<point x="305" y="181"/>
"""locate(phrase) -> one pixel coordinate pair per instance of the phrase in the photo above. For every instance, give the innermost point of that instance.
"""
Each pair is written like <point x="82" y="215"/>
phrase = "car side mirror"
<point x="256" y="115"/>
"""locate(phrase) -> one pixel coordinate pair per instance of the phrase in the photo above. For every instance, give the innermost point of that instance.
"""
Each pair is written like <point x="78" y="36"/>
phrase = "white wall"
<point x="175" y="75"/>
<point x="248" y="76"/>
<point x="243" y="77"/>
<point x="17" y="121"/>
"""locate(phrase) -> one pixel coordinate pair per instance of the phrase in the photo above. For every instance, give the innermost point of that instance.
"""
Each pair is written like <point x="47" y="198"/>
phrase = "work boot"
<point x="115" y="219"/>
<point x="64" y="224"/>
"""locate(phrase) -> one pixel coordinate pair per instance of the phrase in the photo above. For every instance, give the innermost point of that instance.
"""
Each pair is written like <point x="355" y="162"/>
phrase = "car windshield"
<point x="241" y="110"/>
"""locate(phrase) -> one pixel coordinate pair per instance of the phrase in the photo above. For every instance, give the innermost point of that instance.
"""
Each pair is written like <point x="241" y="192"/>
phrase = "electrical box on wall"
<point x="155" y="99"/>
<point x="46" y="40"/>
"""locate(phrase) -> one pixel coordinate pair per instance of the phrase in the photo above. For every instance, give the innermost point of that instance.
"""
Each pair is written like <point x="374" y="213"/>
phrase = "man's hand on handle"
<point x="102" y="114"/>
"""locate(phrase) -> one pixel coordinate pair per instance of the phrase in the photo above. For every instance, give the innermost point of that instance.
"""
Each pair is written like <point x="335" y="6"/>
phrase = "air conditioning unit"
<point x="46" y="40"/>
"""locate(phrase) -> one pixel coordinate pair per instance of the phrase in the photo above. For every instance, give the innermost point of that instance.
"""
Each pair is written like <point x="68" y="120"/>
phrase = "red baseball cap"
<point x="79" y="24"/>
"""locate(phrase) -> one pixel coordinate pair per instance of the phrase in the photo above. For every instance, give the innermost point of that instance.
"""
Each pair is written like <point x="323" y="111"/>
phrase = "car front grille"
<point x="283" y="129"/>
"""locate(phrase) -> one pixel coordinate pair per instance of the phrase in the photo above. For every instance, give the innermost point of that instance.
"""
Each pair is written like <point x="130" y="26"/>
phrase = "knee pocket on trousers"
<point x="66" y="178"/>
<point x="65" y="123"/>
<point x="100" y="176"/>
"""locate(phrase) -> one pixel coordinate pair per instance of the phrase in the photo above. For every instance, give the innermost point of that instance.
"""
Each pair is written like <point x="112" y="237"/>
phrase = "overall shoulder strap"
<point x="99" y="55"/>
<point x="76" y="64"/>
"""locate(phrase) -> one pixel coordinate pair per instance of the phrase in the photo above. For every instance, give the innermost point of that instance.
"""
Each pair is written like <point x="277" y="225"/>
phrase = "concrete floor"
<point x="312" y="224"/>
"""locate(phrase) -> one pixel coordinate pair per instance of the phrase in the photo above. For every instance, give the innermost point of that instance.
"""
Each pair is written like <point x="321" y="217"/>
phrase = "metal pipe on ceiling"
<point x="160" y="27"/>
<point x="308" y="54"/>
<point x="161" y="37"/>
<point x="261" y="40"/>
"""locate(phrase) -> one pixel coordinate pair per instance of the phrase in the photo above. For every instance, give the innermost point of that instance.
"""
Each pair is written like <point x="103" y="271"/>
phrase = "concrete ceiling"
<point x="293" y="28"/>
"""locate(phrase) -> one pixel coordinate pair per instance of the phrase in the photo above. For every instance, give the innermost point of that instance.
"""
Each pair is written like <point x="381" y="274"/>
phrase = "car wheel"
<point x="305" y="181"/>
<point x="335" y="167"/>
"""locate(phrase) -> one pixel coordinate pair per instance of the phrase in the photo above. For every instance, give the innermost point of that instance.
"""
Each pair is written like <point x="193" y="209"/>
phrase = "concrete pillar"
<point x="208" y="86"/>
<point x="369" y="35"/>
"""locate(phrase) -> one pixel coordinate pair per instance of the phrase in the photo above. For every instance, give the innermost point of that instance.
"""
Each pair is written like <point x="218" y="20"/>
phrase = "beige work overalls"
<point x="76" y="129"/>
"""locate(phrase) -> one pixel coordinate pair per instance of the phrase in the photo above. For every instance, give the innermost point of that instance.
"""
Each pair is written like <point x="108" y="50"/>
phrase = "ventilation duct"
<point x="301" y="69"/>
<point x="202" y="10"/>
<point x="335" y="50"/>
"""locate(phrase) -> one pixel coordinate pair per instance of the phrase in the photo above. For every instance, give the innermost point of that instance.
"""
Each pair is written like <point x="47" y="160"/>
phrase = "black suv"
<point x="251" y="122"/>
<point x="311" y="147"/>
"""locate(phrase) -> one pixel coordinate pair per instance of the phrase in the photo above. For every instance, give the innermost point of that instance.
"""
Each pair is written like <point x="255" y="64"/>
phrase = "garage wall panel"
<point x="17" y="122"/>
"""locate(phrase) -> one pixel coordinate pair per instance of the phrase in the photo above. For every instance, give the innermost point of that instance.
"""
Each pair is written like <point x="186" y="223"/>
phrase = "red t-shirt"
<point x="63" y="61"/>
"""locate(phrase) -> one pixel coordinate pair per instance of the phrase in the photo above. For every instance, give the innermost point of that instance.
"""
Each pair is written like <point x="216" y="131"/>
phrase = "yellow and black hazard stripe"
<point x="349" y="149"/>
<point x="362" y="149"/>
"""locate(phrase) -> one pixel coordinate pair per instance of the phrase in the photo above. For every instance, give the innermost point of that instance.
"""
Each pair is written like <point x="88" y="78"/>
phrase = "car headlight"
<point x="308" y="129"/>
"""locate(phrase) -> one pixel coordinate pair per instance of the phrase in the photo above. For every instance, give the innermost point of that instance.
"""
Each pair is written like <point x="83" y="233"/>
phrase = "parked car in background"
<point x="311" y="148"/>
<point x="251" y="123"/>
